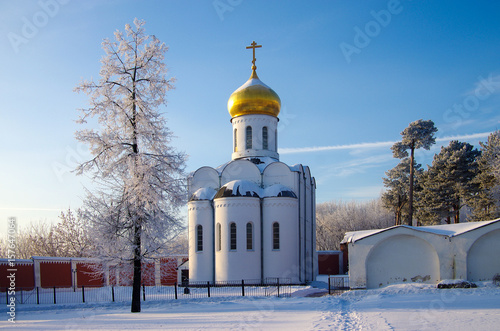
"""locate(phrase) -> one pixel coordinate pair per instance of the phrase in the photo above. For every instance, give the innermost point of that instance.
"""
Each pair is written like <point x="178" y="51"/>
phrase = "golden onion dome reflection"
<point x="254" y="97"/>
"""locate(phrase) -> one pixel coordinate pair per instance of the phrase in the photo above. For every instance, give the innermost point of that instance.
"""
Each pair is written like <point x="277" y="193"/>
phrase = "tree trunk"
<point x="456" y="217"/>
<point x="410" y="195"/>
<point x="136" y="285"/>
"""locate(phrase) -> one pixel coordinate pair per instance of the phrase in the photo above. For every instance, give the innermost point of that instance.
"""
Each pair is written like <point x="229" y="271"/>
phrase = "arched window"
<point x="199" y="238"/>
<point x="248" y="144"/>
<point x="264" y="138"/>
<point x="249" y="236"/>
<point x="232" y="236"/>
<point x="235" y="140"/>
<point x="219" y="241"/>
<point x="276" y="235"/>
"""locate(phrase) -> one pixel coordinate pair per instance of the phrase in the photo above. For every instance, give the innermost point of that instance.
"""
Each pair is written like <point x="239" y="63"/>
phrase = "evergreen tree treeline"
<point x="460" y="178"/>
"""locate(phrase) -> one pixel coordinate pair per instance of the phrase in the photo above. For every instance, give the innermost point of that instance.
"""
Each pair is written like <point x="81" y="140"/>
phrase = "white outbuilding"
<point x="253" y="217"/>
<point x="427" y="254"/>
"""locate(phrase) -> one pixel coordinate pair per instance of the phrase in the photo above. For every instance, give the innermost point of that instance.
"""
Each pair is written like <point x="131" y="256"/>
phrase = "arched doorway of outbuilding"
<point x="401" y="258"/>
<point x="483" y="260"/>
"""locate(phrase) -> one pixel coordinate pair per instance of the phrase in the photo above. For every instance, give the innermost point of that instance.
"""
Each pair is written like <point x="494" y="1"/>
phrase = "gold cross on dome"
<point x="254" y="46"/>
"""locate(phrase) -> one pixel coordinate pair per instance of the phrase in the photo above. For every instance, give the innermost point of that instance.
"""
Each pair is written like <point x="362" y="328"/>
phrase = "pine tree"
<point x="486" y="203"/>
<point x="396" y="196"/>
<point x="419" y="134"/>
<point x="140" y="176"/>
<point x="449" y="182"/>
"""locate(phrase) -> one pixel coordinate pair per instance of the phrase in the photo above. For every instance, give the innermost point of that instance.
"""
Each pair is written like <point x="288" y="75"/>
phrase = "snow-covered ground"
<point x="395" y="307"/>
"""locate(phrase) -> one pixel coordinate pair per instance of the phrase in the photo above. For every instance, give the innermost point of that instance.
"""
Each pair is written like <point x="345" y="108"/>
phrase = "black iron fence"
<point x="90" y="294"/>
<point x="338" y="284"/>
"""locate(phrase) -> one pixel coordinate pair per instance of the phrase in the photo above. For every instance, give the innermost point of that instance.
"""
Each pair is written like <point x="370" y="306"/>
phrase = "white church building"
<point x="252" y="218"/>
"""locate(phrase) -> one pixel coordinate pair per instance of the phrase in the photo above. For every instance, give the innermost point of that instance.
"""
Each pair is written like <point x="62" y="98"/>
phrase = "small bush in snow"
<point x="496" y="279"/>
<point x="455" y="283"/>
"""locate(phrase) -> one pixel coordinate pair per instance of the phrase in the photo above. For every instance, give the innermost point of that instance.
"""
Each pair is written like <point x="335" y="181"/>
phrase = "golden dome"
<point x="254" y="97"/>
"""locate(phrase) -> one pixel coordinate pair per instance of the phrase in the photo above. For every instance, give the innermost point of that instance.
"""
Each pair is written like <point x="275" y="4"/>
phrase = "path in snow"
<point x="396" y="307"/>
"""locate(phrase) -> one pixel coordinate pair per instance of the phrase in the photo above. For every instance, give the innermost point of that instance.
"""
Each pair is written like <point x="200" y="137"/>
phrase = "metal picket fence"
<point x="338" y="284"/>
<point x="91" y="294"/>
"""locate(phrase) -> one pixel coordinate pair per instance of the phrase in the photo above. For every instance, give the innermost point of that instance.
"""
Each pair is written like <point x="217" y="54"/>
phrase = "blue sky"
<point x="351" y="76"/>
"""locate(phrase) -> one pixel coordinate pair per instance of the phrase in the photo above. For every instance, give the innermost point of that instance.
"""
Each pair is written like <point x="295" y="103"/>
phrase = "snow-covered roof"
<point x="62" y="258"/>
<point x="244" y="188"/>
<point x="204" y="193"/>
<point x="15" y="261"/>
<point x="448" y="230"/>
<point x="238" y="188"/>
<point x="251" y="82"/>
<point x="278" y="190"/>
<point x="261" y="162"/>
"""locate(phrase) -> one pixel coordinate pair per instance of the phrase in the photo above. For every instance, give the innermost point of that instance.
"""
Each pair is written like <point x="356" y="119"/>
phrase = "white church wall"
<point x="201" y="178"/>
<point x="282" y="262"/>
<point x="315" y="267"/>
<point x="279" y="173"/>
<point x="299" y="184"/>
<point x="241" y="170"/>
<point x="201" y="262"/>
<point x="310" y="220"/>
<point x="239" y="263"/>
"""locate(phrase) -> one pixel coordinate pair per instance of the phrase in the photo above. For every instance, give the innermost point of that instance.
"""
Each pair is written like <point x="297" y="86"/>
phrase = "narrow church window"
<point x="264" y="138"/>
<point x="248" y="137"/>
<point x="235" y="140"/>
<point x="249" y="236"/>
<point x="276" y="140"/>
<point x="199" y="238"/>
<point x="276" y="235"/>
<point x="219" y="241"/>
<point x="232" y="234"/>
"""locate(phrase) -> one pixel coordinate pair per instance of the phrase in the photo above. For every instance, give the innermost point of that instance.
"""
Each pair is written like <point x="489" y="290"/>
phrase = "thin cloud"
<point x="335" y="147"/>
<point x="29" y="209"/>
<point x="375" y="145"/>
<point x="465" y="137"/>
<point x="352" y="167"/>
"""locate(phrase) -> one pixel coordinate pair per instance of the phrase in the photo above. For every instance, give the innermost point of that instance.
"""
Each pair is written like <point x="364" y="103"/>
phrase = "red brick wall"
<point x="345" y="256"/>
<point x="24" y="276"/>
<point x="168" y="270"/>
<point x="148" y="274"/>
<point x="127" y="274"/>
<point x="328" y="264"/>
<point x="89" y="274"/>
<point x="55" y="274"/>
<point x="112" y="275"/>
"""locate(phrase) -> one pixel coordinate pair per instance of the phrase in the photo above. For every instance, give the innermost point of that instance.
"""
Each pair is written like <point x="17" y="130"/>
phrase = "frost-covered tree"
<point x="335" y="218"/>
<point x="68" y="238"/>
<point x="134" y="212"/>
<point x="73" y="235"/>
<point x="37" y="239"/>
<point x="419" y="134"/>
<point x="395" y="197"/>
<point x="449" y="182"/>
<point x="486" y="203"/>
